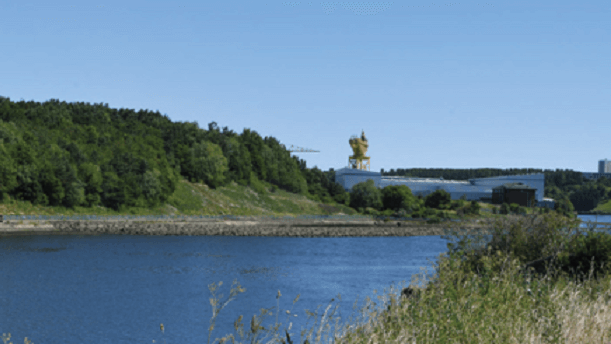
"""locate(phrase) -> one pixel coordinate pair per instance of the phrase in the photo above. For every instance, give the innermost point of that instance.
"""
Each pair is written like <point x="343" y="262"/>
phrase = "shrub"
<point x="513" y="208"/>
<point x="365" y="194"/>
<point x="457" y="204"/>
<point x="429" y="212"/>
<point x="439" y="199"/>
<point x="504" y="209"/>
<point x="474" y="208"/>
<point x="434" y="219"/>
<point x="593" y="248"/>
<point x="525" y="239"/>
<point x="397" y="197"/>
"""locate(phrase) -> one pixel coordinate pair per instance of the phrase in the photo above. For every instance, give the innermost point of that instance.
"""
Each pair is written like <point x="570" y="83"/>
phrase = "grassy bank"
<point x="604" y="207"/>
<point x="539" y="280"/>
<point x="198" y="199"/>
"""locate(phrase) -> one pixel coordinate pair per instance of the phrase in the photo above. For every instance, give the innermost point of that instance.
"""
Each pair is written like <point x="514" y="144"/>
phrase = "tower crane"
<point x="300" y="150"/>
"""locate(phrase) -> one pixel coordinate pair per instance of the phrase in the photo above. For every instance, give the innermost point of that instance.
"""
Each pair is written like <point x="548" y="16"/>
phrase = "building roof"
<point x="514" y="186"/>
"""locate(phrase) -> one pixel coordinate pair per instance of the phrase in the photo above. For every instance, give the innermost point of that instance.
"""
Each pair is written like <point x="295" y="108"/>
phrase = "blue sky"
<point x="465" y="84"/>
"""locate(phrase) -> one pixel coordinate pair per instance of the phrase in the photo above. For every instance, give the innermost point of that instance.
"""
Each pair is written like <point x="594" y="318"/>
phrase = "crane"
<point x="300" y="150"/>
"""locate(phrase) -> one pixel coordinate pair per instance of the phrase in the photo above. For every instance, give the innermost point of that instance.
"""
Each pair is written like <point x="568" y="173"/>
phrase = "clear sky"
<point x="465" y="84"/>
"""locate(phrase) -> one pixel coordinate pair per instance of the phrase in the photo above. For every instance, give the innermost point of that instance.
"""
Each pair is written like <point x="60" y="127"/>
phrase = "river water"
<point x="119" y="289"/>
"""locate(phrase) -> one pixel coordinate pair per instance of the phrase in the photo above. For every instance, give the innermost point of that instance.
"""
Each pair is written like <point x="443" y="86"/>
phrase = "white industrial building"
<point x="473" y="189"/>
<point x="604" y="166"/>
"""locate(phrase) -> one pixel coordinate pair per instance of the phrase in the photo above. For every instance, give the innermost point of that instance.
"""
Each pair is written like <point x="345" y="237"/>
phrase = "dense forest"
<point x="78" y="154"/>
<point x="560" y="184"/>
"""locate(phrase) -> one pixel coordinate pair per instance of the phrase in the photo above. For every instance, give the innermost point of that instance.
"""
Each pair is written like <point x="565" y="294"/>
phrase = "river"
<point x="119" y="289"/>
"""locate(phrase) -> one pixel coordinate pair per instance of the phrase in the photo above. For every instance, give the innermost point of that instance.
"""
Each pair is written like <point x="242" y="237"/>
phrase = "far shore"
<point x="242" y="227"/>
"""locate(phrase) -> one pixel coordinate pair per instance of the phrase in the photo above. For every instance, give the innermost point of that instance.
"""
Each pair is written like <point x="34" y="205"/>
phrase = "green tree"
<point x="366" y="194"/>
<point x="474" y="208"/>
<point x="439" y="199"/>
<point x="504" y="209"/>
<point x="151" y="187"/>
<point x="207" y="164"/>
<point x="91" y="175"/>
<point x="399" y="197"/>
<point x="564" y="206"/>
<point x="114" y="194"/>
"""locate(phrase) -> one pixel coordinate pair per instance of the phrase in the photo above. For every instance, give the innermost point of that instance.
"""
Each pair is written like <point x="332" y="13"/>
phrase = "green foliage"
<point x="399" y="197"/>
<point x="256" y="184"/>
<point x="564" y="206"/>
<point x="474" y="208"/>
<point x="504" y="209"/>
<point x="429" y="212"/>
<point x="591" y="251"/>
<point x="588" y="196"/>
<point x="206" y="164"/>
<point x="434" y="219"/>
<point x="81" y="154"/>
<point x="439" y="199"/>
<point x="513" y="208"/>
<point x="365" y="194"/>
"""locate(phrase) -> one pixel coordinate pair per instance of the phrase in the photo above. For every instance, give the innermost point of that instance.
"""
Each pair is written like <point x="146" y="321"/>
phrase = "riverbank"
<point x="242" y="227"/>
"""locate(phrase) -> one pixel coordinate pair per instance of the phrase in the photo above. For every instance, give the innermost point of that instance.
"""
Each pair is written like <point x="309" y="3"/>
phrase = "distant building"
<point x="546" y="203"/>
<point x="604" y="166"/>
<point x="479" y="189"/>
<point x="519" y="193"/>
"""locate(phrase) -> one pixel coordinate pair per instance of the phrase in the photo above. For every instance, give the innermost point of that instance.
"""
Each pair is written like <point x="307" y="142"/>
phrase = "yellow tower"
<point x="359" y="148"/>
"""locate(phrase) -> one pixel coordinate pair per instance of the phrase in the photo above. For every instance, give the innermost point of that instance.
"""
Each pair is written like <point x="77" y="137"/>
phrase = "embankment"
<point x="297" y="228"/>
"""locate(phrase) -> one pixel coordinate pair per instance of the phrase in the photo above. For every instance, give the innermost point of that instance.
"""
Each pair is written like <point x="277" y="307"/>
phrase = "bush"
<point x="371" y="211"/>
<point x="256" y="184"/>
<point x="439" y="199"/>
<point x="513" y="208"/>
<point x="434" y="219"/>
<point x="474" y="208"/>
<point x="365" y="194"/>
<point x="593" y="248"/>
<point x="397" y="197"/>
<point x="504" y="209"/>
<point x="525" y="239"/>
<point x="428" y="212"/>
<point x="457" y="204"/>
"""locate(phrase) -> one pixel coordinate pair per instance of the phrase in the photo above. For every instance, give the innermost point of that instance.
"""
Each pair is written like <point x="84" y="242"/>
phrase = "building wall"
<point x="547" y="203"/>
<point x="604" y="166"/>
<point x="348" y="177"/>
<point x="521" y="197"/>
<point x="474" y="189"/>
<point x="535" y="180"/>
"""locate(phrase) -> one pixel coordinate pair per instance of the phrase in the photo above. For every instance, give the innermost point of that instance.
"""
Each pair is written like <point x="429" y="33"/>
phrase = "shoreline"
<point x="298" y="228"/>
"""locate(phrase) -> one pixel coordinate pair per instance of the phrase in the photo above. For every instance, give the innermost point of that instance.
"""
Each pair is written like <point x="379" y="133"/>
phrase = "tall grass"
<point x="509" y="284"/>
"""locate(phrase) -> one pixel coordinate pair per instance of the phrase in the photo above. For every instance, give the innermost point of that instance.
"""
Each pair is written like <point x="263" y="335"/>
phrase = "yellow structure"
<point x="359" y="148"/>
